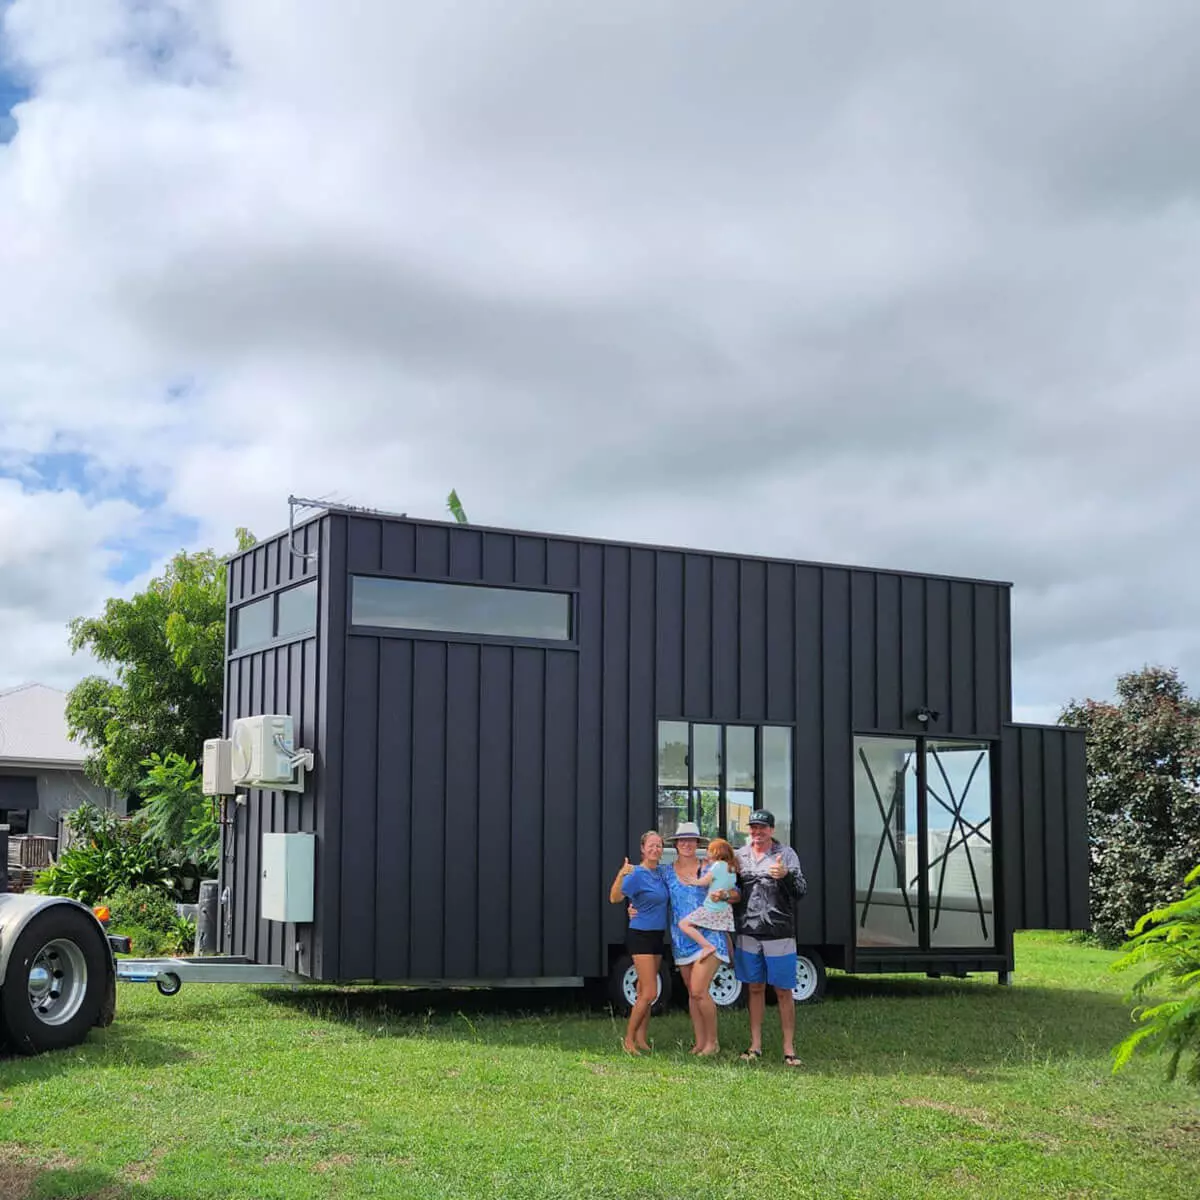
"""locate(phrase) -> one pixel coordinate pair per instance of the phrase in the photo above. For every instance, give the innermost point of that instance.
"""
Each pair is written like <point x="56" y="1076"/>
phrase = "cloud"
<point x="911" y="288"/>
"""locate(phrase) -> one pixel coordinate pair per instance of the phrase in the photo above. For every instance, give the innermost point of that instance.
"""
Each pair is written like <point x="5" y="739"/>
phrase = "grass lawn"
<point x="912" y="1088"/>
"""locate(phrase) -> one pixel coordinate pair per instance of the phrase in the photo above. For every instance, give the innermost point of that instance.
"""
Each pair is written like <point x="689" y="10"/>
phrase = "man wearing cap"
<point x="770" y="882"/>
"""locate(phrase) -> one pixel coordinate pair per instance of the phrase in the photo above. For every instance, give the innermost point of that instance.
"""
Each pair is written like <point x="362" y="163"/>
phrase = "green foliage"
<point x="147" y="915"/>
<point x="166" y="646"/>
<point x="176" y="816"/>
<point x="107" y="854"/>
<point x="1169" y="939"/>
<point x="148" y="907"/>
<point x="455" y="507"/>
<point x="1143" y="796"/>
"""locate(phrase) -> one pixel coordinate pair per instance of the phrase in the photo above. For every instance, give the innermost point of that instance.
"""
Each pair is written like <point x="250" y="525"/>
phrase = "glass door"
<point x="923" y="843"/>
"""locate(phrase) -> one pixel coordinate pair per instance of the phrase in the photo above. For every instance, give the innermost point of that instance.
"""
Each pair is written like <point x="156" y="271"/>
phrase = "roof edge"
<point x="588" y="540"/>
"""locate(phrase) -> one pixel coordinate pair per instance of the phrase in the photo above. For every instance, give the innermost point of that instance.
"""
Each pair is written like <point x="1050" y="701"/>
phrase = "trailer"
<point x="441" y="740"/>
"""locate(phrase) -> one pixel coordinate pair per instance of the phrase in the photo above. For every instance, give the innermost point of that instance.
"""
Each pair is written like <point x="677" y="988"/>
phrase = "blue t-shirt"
<point x="722" y="880"/>
<point x="648" y="891"/>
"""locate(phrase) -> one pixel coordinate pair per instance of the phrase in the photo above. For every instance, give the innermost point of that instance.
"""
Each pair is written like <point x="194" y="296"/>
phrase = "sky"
<point x="908" y="286"/>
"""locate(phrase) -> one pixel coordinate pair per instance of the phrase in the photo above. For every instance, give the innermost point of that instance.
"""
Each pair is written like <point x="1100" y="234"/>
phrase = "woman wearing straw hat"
<point x="686" y="894"/>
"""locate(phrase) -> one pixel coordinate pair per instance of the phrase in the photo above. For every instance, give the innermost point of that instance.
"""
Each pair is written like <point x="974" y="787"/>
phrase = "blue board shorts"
<point x="772" y="961"/>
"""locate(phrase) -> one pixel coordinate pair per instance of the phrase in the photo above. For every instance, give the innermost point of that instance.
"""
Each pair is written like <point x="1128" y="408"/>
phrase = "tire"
<point x="727" y="990"/>
<point x="810" y="976"/>
<point x="57" y="981"/>
<point x="622" y="986"/>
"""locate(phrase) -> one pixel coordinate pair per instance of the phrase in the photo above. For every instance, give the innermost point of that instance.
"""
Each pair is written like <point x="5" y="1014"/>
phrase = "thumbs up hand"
<point x="777" y="870"/>
<point x="626" y="869"/>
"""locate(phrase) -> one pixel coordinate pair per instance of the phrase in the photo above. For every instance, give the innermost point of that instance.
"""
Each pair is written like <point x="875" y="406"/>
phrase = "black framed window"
<point x="284" y="614"/>
<point x="296" y="610"/>
<point x="460" y="608"/>
<point x="923" y="863"/>
<point x="718" y="774"/>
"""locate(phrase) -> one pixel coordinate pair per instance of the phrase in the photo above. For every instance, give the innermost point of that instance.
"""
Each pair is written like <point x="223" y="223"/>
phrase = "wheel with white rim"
<point x="726" y="989"/>
<point x="810" y="976"/>
<point x="622" y="986"/>
<point x="56" y="980"/>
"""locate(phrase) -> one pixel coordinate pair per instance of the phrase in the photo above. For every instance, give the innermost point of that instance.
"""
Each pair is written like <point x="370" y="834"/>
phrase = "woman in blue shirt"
<point x="646" y="890"/>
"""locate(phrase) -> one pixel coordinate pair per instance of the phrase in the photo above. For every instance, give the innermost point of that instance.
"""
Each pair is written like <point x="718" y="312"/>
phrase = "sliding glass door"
<point x="923" y="843"/>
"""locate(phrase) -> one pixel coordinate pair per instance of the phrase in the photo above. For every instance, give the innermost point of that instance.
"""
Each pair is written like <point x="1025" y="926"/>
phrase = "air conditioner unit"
<point x="264" y="754"/>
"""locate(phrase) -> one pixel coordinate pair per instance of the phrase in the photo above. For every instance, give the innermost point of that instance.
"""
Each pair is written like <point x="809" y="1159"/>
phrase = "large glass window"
<point x="253" y="623"/>
<point x="716" y="775"/>
<point x="706" y="778"/>
<point x="280" y="615"/>
<point x="776" y="783"/>
<point x="460" y="608"/>
<point x="911" y="789"/>
<point x="297" y="610"/>
<point x="672" y="776"/>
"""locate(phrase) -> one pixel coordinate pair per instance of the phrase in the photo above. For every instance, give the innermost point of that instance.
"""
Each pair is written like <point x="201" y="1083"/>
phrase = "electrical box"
<point x="264" y="753"/>
<point x="218" y="767"/>
<point x="288" y="862"/>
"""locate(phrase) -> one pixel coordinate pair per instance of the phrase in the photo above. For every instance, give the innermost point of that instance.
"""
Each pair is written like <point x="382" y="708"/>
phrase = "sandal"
<point x="790" y="1060"/>
<point x="750" y="1055"/>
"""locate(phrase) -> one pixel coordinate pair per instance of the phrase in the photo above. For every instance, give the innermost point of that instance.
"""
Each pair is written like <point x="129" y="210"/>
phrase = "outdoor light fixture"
<point x="925" y="715"/>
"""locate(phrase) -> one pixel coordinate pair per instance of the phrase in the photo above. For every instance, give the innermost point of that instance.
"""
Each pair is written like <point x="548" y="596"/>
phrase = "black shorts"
<point x="645" y="941"/>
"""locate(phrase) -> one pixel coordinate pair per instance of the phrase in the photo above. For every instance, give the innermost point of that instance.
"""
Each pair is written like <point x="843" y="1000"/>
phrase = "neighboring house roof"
<point x="33" y="728"/>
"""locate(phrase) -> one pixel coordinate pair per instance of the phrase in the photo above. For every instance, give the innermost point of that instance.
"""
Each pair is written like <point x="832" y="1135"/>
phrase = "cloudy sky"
<point x="909" y="285"/>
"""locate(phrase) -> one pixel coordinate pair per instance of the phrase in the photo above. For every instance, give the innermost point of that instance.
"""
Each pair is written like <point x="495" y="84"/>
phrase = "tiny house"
<point x="496" y="716"/>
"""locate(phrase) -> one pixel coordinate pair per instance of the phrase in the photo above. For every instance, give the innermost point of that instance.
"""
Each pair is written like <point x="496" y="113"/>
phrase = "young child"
<point x="713" y="914"/>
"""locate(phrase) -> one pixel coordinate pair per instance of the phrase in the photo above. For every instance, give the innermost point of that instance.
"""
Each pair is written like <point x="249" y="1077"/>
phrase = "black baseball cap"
<point x="760" y="816"/>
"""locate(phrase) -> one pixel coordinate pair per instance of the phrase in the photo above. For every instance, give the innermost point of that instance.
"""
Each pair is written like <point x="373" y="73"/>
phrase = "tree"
<point x="167" y="648"/>
<point x="454" y="505"/>
<point x="1143" y="756"/>
<point x="1168" y="940"/>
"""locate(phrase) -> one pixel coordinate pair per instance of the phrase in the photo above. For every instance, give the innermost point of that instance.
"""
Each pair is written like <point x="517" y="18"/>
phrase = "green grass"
<point x="912" y="1088"/>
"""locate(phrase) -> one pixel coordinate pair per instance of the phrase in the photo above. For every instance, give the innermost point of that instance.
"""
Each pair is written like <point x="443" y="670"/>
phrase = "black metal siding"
<point x="1044" y="827"/>
<point x="278" y="678"/>
<point x="472" y="799"/>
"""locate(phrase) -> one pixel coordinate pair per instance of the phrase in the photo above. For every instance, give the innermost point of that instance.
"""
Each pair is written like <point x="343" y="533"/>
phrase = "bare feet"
<point x="633" y="1050"/>
<point x="709" y="1051"/>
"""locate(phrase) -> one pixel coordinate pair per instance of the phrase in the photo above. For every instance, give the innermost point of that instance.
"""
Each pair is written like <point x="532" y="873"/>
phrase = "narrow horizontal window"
<point x="297" y="610"/>
<point x="460" y="608"/>
<point x="253" y="623"/>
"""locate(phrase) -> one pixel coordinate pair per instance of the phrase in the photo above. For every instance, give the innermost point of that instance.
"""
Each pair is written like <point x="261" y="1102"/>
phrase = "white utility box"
<point x="218" y="767"/>
<point x="264" y="753"/>
<point x="288" y="862"/>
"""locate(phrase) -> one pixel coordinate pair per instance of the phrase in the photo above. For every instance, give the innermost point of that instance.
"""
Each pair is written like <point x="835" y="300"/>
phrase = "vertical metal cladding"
<point x="474" y="797"/>
<point x="282" y="677"/>
<point x="1044" y="827"/>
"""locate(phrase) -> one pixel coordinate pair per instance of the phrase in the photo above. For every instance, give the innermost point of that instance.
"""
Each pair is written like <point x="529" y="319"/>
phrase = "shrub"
<point x="147" y="916"/>
<point x="1169" y="938"/>
<point x="107" y="855"/>
<point x="149" y="907"/>
<point x="177" y="817"/>
<point x="1143" y="763"/>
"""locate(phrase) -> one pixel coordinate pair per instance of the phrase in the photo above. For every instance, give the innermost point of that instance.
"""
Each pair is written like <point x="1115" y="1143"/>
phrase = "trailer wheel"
<point x="168" y="983"/>
<point x="726" y="989"/>
<point x="810" y="976"/>
<point x="56" y="982"/>
<point x="622" y="986"/>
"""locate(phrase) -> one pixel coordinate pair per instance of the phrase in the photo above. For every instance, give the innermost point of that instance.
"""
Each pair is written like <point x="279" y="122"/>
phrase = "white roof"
<point x="33" y="727"/>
